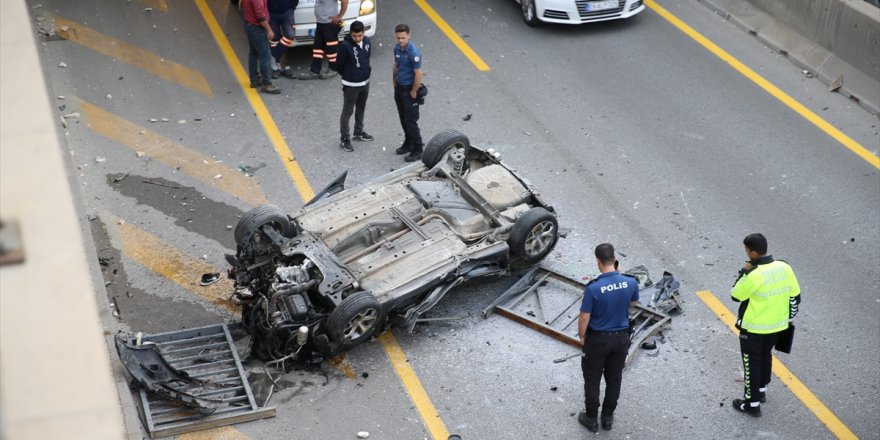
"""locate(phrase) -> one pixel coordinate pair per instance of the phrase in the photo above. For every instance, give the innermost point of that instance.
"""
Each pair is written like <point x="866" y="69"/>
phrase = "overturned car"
<point x="329" y="276"/>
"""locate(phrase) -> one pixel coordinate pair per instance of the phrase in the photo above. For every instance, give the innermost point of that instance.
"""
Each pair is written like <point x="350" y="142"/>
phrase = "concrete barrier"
<point x="837" y="40"/>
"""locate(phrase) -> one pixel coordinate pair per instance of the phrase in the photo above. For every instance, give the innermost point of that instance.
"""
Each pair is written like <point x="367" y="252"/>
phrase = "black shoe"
<point x="607" y="421"/>
<point x="413" y="156"/>
<point x="255" y="84"/>
<point x="345" y="144"/>
<point x="276" y="74"/>
<point x="363" y="136"/>
<point x="307" y="75"/>
<point x="592" y="425"/>
<point x="287" y="73"/>
<point x="403" y="149"/>
<point x="744" y="406"/>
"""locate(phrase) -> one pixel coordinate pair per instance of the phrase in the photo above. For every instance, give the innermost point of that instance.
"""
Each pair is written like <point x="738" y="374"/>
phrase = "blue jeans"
<point x="259" y="56"/>
<point x="283" y="26"/>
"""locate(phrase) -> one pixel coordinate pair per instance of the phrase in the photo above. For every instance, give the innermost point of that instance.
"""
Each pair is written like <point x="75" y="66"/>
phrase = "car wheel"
<point x="441" y="143"/>
<point x="355" y="320"/>
<point x="530" y="13"/>
<point x="534" y="235"/>
<point x="258" y="217"/>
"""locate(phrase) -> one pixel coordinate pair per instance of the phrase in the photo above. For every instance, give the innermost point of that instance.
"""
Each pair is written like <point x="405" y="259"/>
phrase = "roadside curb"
<point x="838" y="40"/>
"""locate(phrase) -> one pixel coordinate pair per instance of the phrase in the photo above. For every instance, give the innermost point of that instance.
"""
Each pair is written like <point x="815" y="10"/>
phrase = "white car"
<point x="304" y="17"/>
<point x="534" y="12"/>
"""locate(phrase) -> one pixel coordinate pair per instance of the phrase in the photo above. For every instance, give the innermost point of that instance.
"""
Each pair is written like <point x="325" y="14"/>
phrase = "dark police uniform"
<point x="408" y="60"/>
<point x="607" y="299"/>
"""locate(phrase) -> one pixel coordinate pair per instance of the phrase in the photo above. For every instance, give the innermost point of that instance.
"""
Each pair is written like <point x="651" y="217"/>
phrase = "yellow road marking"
<point x="133" y="55"/>
<point x="411" y="382"/>
<point x="157" y="4"/>
<point x="799" y="108"/>
<point x="287" y="157"/>
<point x="222" y="433"/>
<point x="174" y="155"/>
<point x="785" y="375"/>
<point x="151" y="252"/>
<point x="452" y="35"/>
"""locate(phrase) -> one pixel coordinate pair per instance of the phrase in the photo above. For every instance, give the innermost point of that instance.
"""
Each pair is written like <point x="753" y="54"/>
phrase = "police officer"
<point x="603" y="326"/>
<point x="407" y="78"/>
<point x="769" y="296"/>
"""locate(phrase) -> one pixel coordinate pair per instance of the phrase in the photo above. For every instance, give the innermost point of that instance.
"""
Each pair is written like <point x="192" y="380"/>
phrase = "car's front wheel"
<point x="356" y="319"/>
<point x="256" y="218"/>
<point x="530" y="13"/>
<point x="534" y="235"/>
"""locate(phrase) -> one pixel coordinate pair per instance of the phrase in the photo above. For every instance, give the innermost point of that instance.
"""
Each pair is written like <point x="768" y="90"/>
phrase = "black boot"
<point x="744" y="406"/>
<point x="403" y="149"/>
<point x="592" y="425"/>
<point x="607" y="421"/>
<point x="414" y="155"/>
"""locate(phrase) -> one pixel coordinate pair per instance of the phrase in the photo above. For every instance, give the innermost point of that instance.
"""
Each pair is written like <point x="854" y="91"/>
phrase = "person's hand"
<point x="271" y="35"/>
<point x="414" y="93"/>
<point x="336" y="20"/>
<point x="748" y="266"/>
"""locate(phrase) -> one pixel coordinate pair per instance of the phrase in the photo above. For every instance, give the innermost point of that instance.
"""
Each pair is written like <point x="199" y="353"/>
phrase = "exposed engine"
<point x="277" y="307"/>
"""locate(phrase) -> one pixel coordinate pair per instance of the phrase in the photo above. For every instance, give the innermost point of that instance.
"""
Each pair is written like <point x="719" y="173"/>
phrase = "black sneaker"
<point x="307" y="75"/>
<point x="403" y="149"/>
<point x="744" y="406"/>
<point x="363" y="136"/>
<point x="592" y="425"/>
<point x="255" y="84"/>
<point x="607" y="421"/>
<point x="413" y="156"/>
<point x="276" y="73"/>
<point x="327" y="75"/>
<point x="345" y="144"/>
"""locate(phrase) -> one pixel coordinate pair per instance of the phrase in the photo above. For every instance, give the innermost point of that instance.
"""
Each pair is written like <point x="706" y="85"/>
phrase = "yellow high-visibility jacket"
<point x="769" y="294"/>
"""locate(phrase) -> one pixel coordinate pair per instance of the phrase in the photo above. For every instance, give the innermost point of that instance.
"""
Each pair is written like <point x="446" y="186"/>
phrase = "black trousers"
<point x="325" y="46"/>
<point x="408" y="111"/>
<point x="757" y="360"/>
<point x="354" y="100"/>
<point x="604" y="354"/>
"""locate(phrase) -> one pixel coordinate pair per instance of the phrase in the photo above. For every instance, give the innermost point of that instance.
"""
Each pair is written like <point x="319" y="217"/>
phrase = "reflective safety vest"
<point x="765" y="292"/>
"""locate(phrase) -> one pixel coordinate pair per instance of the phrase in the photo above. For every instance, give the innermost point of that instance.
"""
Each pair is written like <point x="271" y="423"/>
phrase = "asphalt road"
<point x="634" y="132"/>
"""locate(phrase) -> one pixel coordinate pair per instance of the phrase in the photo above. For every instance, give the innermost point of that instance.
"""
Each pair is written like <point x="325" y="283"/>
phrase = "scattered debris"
<point x="836" y="84"/>
<point x="120" y="178"/>
<point x="100" y="159"/>
<point x="64" y="28"/>
<point x="554" y="388"/>
<point x="209" y="278"/>
<point x="527" y="133"/>
<point x="91" y="217"/>
<point x="161" y="184"/>
<point x="63" y="122"/>
<point x="74" y="115"/>
<point x="218" y="176"/>
<point x="109" y="96"/>
<point x="120" y="222"/>
<point x="140" y="153"/>
<point x="181" y="121"/>
<point x="60" y="96"/>
<point x="363" y="434"/>
<point x="807" y="73"/>
<point x="152" y="120"/>
<point x="148" y="9"/>
<point x="164" y="119"/>
<point x="11" y="243"/>
<point x="228" y="227"/>
<point x="467" y="117"/>
<point x="365" y="375"/>
<point x="62" y="64"/>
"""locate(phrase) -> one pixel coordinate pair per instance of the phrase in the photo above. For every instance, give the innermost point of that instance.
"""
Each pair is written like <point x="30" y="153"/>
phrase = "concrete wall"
<point x="55" y="377"/>
<point x="831" y="38"/>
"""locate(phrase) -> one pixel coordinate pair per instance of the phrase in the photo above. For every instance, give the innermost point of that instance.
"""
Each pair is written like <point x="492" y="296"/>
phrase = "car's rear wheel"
<point x="258" y="217"/>
<point x="441" y="143"/>
<point x="530" y="13"/>
<point x="355" y="320"/>
<point x="534" y="235"/>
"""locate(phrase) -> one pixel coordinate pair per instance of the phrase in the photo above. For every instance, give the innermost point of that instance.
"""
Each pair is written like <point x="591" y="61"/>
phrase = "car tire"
<point x="441" y="143"/>
<point x="534" y="235"/>
<point x="258" y="217"/>
<point x="356" y="319"/>
<point x="530" y="13"/>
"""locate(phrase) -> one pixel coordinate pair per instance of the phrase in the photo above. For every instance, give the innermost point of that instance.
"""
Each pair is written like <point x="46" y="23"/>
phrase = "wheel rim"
<point x="360" y="324"/>
<point x="540" y="239"/>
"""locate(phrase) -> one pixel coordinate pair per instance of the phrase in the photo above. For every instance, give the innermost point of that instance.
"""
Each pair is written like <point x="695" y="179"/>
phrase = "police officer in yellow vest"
<point x="769" y="295"/>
